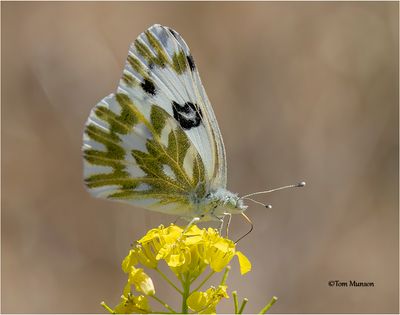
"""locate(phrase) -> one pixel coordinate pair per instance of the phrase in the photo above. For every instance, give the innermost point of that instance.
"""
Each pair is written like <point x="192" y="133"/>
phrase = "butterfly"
<point x="155" y="143"/>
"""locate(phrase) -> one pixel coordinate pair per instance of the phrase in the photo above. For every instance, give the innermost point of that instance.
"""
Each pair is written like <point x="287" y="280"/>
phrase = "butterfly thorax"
<point x="218" y="203"/>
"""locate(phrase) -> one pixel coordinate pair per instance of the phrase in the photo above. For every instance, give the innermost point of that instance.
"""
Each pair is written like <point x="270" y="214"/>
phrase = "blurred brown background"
<point x="301" y="91"/>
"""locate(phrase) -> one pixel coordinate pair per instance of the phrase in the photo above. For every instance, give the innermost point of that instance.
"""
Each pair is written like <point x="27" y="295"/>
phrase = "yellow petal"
<point x="193" y="239"/>
<point x="129" y="261"/>
<point x="221" y="245"/>
<point x="142" y="304"/>
<point x="194" y="231"/>
<point x="127" y="289"/>
<point x="171" y="234"/>
<point x="146" y="256"/>
<point x="197" y="301"/>
<point x="141" y="280"/>
<point x="175" y="260"/>
<point x="219" y="255"/>
<point x="206" y="302"/>
<point x="164" y="251"/>
<point x="150" y="235"/>
<point x="244" y="263"/>
<point x="131" y="304"/>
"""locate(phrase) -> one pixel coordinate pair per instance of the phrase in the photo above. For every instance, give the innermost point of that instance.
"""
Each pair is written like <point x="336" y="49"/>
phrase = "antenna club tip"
<point x="301" y="184"/>
<point x="268" y="206"/>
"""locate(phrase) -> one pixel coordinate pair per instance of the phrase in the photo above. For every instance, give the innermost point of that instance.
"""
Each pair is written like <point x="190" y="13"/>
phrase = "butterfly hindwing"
<point x="146" y="162"/>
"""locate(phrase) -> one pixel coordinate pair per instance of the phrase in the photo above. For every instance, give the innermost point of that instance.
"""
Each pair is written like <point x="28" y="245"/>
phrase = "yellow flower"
<point x="141" y="281"/>
<point x="206" y="302"/>
<point x="188" y="252"/>
<point x="132" y="304"/>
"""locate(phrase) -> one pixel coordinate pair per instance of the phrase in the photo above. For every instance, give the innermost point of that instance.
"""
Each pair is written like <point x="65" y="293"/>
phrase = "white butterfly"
<point x="156" y="143"/>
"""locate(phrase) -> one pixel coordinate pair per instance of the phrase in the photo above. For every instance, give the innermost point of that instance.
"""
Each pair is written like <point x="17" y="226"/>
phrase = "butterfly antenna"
<point x="251" y="227"/>
<point x="257" y="202"/>
<point x="301" y="184"/>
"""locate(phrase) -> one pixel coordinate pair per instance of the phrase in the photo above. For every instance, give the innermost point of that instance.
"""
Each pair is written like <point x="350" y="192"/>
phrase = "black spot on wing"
<point x="187" y="115"/>
<point x="148" y="87"/>
<point x="175" y="34"/>
<point x="191" y="62"/>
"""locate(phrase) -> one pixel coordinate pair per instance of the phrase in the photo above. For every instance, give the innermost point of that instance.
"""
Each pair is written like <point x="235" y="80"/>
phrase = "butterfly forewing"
<point x="219" y="177"/>
<point x="161" y="70"/>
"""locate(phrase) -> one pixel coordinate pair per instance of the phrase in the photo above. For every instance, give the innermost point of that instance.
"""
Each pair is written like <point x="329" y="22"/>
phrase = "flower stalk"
<point x="245" y="300"/>
<point x="185" y="296"/>
<point x="235" y="302"/>
<point x="268" y="306"/>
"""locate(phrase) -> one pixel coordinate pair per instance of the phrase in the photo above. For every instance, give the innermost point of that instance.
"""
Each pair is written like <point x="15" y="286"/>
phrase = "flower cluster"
<point x="188" y="252"/>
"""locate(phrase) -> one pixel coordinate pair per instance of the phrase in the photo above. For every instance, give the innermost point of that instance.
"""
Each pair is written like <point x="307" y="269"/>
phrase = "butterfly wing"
<point x="146" y="161"/>
<point x="160" y="69"/>
<point x="155" y="143"/>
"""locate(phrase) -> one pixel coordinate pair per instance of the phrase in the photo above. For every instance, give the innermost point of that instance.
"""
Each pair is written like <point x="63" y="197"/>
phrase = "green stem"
<point x="107" y="307"/>
<point x="243" y="305"/>
<point x="225" y="276"/>
<point x="185" y="295"/>
<point x="204" y="281"/>
<point x="163" y="303"/>
<point x="268" y="306"/>
<point x="179" y="276"/>
<point x="169" y="281"/>
<point x="235" y="301"/>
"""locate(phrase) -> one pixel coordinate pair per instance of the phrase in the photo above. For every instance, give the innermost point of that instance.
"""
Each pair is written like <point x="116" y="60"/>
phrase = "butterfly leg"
<point x="221" y="222"/>
<point x="228" y="223"/>
<point x="221" y="225"/>
<point x="193" y="221"/>
<point x="251" y="227"/>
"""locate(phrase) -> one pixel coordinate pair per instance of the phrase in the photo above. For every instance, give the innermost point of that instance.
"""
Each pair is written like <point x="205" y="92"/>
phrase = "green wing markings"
<point x="162" y="186"/>
<point x="114" y="154"/>
<point x="179" y="63"/>
<point x="144" y="51"/>
<point x="175" y="152"/>
<point x="137" y="65"/>
<point x="129" y="80"/>
<point x="199" y="175"/>
<point x="158" y="56"/>
<point x="117" y="177"/>
<point x="158" y="119"/>
<point x="161" y="58"/>
<point x="166" y="188"/>
<point x="122" y="123"/>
